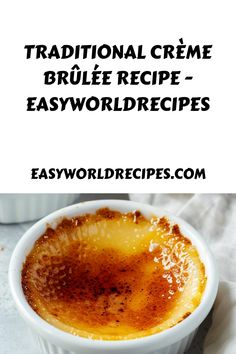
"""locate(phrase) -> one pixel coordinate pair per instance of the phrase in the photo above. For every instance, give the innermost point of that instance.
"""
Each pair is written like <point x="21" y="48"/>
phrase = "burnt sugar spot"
<point x="100" y="287"/>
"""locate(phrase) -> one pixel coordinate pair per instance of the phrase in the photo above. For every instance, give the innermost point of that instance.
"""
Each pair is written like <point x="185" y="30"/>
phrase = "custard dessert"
<point x="113" y="276"/>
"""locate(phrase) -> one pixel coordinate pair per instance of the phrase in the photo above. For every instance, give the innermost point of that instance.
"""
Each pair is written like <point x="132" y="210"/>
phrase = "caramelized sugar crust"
<point x="113" y="276"/>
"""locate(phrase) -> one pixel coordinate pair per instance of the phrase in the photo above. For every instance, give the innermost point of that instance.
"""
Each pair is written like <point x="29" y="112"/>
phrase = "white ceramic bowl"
<point x="16" y="208"/>
<point x="54" y="341"/>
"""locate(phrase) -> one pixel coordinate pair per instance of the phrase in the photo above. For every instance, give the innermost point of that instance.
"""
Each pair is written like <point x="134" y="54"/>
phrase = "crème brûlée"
<point x="113" y="276"/>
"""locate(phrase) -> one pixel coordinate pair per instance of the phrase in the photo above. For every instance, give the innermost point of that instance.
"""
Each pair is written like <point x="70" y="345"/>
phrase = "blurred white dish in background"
<point x="15" y="208"/>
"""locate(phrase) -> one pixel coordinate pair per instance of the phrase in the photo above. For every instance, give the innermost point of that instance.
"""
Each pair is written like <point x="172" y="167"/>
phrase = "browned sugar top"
<point x="88" y="287"/>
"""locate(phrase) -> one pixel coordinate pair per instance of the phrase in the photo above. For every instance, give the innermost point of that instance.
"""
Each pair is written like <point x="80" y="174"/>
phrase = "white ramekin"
<point x="54" y="341"/>
<point x="26" y="207"/>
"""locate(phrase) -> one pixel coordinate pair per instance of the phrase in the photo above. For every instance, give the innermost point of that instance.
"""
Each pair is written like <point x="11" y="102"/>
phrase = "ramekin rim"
<point x="65" y="339"/>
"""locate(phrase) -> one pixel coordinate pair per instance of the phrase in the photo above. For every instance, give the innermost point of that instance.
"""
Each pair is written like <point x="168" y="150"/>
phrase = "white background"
<point x="117" y="139"/>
